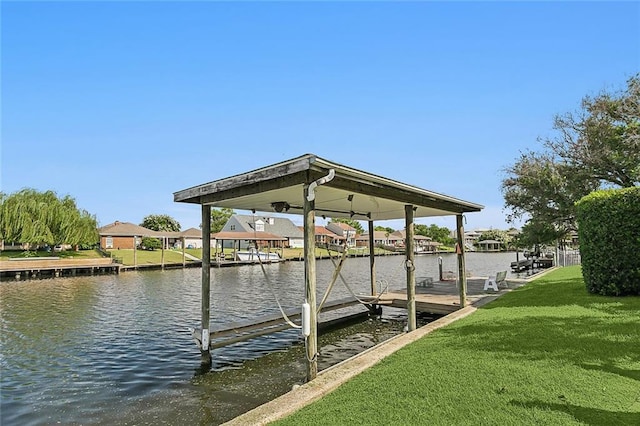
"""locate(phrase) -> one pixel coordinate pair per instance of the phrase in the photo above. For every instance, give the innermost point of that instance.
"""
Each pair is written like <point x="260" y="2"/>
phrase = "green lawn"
<point x="67" y="254"/>
<point x="548" y="353"/>
<point x="148" y="257"/>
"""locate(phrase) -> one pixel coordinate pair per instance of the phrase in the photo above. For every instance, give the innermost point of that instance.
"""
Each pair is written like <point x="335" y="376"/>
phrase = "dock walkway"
<point x="55" y="267"/>
<point x="442" y="297"/>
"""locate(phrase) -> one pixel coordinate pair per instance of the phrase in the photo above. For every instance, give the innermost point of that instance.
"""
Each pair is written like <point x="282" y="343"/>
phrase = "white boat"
<point x="256" y="256"/>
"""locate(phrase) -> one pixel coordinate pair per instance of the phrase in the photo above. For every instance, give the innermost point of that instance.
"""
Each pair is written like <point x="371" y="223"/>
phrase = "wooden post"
<point x="183" y="259"/>
<point x="162" y="256"/>
<point x="372" y="259"/>
<point x="310" y="283"/>
<point x="462" y="274"/>
<point x="206" y="284"/>
<point x="411" y="269"/>
<point x="135" y="251"/>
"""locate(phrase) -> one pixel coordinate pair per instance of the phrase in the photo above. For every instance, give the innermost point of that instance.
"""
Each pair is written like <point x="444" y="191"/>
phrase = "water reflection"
<point x="73" y="349"/>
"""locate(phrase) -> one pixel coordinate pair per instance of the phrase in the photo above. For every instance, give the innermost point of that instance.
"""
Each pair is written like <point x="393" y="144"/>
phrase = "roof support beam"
<point x="379" y="191"/>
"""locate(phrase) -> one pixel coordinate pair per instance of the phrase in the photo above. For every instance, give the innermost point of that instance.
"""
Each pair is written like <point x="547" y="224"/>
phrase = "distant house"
<point x="325" y="236"/>
<point x="345" y="231"/>
<point x="123" y="235"/>
<point x="278" y="226"/>
<point x="193" y="238"/>
<point x="380" y="239"/>
<point x="489" y="245"/>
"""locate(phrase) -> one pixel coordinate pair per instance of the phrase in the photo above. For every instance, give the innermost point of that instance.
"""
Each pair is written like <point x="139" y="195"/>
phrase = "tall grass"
<point x="548" y="353"/>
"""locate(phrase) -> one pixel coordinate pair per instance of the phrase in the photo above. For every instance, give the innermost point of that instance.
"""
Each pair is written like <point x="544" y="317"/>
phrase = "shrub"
<point x="149" y="243"/>
<point x="609" y="232"/>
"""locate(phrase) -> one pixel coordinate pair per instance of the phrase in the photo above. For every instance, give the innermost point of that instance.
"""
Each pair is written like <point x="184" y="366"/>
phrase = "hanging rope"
<point x="334" y="278"/>
<point x="269" y="284"/>
<point x="368" y="302"/>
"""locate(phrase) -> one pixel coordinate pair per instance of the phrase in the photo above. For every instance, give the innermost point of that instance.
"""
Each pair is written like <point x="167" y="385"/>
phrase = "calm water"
<point x="116" y="349"/>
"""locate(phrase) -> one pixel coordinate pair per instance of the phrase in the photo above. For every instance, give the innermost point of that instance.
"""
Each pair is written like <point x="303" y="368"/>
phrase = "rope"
<point x="334" y="277"/>
<point x="315" y="356"/>
<point x="349" y="288"/>
<point x="270" y="285"/>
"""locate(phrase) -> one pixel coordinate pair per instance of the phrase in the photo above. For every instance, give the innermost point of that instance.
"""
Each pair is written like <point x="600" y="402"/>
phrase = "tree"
<point x="536" y="233"/>
<point x="161" y="222"/>
<point x="594" y="147"/>
<point x="219" y="218"/>
<point x="352" y="223"/>
<point x="387" y="229"/>
<point x="435" y="232"/>
<point x="30" y="216"/>
<point x="544" y="189"/>
<point x="150" y="243"/>
<point x="602" y="140"/>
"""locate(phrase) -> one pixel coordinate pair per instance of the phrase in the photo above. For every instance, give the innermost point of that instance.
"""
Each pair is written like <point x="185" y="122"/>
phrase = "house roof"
<point x="126" y="229"/>
<point x="489" y="242"/>
<point x="192" y="232"/>
<point x="344" y="226"/>
<point x="281" y="225"/>
<point x="350" y="193"/>
<point x="321" y="230"/>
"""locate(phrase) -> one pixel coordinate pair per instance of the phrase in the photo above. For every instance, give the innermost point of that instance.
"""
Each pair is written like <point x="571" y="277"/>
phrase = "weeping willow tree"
<point x="33" y="217"/>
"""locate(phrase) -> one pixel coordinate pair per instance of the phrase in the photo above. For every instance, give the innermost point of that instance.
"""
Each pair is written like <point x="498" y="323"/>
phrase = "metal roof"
<point x="351" y="193"/>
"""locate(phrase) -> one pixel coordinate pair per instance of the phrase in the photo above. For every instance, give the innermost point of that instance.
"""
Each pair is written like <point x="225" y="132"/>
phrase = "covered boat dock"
<point x="311" y="186"/>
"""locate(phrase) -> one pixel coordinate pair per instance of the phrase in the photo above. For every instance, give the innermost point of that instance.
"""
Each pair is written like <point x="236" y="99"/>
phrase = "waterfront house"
<point x="345" y="231"/>
<point x="193" y="238"/>
<point x="278" y="226"/>
<point x="380" y="239"/>
<point x="324" y="236"/>
<point x="489" y="245"/>
<point x="421" y="243"/>
<point x="123" y="235"/>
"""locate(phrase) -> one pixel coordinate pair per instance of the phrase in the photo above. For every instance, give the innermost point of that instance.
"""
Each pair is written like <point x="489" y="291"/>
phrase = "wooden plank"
<point x="274" y="320"/>
<point x="278" y="174"/>
<point x="54" y="264"/>
<point x="416" y="197"/>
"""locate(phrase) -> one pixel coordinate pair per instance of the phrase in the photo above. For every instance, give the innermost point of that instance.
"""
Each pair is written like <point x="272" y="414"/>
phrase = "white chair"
<point x="495" y="281"/>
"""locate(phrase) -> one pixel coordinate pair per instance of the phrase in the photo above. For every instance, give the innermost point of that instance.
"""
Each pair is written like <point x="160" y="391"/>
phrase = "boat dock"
<point x="439" y="298"/>
<point x="442" y="297"/>
<point x="54" y="267"/>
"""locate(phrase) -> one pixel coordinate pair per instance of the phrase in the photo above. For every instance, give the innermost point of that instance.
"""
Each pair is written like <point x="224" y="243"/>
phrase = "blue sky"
<point x="120" y="104"/>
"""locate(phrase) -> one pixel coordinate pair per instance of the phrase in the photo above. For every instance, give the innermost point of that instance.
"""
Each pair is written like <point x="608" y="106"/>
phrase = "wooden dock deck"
<point x="55" y="267"/>
<point x="442" y="297"/>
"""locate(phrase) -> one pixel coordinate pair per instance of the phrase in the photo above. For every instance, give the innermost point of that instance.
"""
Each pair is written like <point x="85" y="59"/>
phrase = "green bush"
<point x="149" y="243"/>
<point x="609" y="232"/>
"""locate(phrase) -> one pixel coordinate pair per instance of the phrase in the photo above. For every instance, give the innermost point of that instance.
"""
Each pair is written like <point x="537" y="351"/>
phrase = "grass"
<point x="548" y="353"/>
<point x="67" y="254"/>
<point x="148" y="257"/>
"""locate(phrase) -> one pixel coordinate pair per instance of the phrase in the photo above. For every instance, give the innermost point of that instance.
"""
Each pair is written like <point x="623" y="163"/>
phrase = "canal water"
<point x="116" y="349"/>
